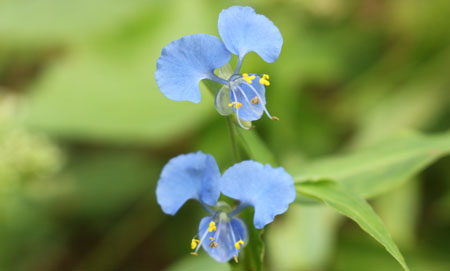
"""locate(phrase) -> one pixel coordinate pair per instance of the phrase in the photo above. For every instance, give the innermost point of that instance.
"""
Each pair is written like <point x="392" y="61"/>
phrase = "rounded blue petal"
<point x="243" y="31"/>
<point x="252" y="97"/>
<point x="269" y="190"/>
<point x="188" y="176"/>
<point x="185" y="62"/>
<point x="227" y="234"/>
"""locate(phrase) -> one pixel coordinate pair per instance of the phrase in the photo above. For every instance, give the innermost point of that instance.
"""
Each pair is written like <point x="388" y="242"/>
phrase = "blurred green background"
<point x="84" y="130"/>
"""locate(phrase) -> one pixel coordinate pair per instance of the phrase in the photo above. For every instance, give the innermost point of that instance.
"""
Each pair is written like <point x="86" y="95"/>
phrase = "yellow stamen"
<point x="235" y="258"/>
<point x="194" y="253"/>
<point x="255" y="100"/>
<point x="264" y="81"/>
<point x="236" y="105"/>
<point x="194" y="243"/>
<point x="238" y="244"/>
<point x="275" y="118"/>
<point x="212" y="226"/>
<point x="248" y="78"/>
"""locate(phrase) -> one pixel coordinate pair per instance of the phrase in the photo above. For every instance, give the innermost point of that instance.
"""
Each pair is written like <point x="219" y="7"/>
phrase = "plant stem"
<point x="234" y="145"/>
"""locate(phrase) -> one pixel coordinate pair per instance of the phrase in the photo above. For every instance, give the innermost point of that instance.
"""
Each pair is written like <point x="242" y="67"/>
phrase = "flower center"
<point x="244" y="94"/>
<point x="219" y="233"/>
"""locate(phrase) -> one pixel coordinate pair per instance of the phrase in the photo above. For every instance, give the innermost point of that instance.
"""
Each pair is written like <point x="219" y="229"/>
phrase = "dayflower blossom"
<point x="197" y="176"/>
<point x="185" y="62"/>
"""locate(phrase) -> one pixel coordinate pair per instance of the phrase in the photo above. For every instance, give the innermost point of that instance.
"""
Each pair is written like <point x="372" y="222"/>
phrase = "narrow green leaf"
<point x="381" y="167"/>
<point x="356" y="208"/>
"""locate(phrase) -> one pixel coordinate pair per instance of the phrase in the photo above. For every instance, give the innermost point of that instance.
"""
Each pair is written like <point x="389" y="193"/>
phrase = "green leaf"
<point x="381" y="167"/>
<point x="400" y="210"/>
<point x="356" y="208"/>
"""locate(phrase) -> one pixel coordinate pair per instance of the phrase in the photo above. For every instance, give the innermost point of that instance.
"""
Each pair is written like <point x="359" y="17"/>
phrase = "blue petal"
<point x="243" y="31"/>
<point x="269" y="190"/>
<point x="227" y="234"/>
<point x="186" y="61"/>
<point x="244" y="94"/>
<point x="188" y="176"/>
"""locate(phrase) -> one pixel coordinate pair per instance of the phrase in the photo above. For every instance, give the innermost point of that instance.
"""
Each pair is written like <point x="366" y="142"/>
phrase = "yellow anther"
<point x="238" y="244"/>
<point x="264" y="81"/>
<point x="248" y="78"/>
<point x="236" y="105"/>
<point x="255" y="100"/>
<point x="194" y="243"/>
<point x="275" y="118"/>
<point x="212" y="226"/>
<point x="194" y="253"/>
<point x="235" y="258"/>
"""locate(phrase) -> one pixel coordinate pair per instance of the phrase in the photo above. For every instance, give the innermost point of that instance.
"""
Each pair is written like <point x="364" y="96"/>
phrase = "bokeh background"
<point x="84" y="130"/>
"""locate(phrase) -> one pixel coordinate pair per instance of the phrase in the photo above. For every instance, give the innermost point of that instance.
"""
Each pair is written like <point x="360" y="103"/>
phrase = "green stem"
<point x="234" y="144"/>
<point x="245" y="145"/>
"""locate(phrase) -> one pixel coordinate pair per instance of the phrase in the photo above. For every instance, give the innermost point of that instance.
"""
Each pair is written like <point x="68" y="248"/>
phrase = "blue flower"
<point x="185" y="62"/>
<point x="196" y="176"/>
